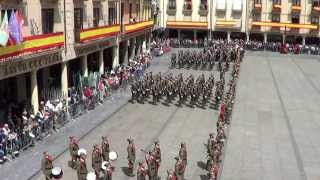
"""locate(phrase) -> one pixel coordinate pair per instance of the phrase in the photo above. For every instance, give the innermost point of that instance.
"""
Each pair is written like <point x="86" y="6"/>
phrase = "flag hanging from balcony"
<point x="20" y="20"/>
<point x="4" y="34"/>
<point x="14" y="29"/>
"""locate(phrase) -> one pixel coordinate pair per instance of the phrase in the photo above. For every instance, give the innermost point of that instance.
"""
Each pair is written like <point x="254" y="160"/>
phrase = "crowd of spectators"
<point x="23" y="128"/>
<point x="295" y="48"/>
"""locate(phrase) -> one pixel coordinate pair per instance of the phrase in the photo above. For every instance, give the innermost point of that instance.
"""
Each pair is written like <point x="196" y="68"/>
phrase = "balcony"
<point x="203" y="10"/>
<point x="296" y="8"/>
<point x="171" y="10"/>
<point x="187" y="8"/>
<point x="139" y="26"/>
<point x="255" y="28"/>
<point x="316" y="9"/>
<point x="294" y="30"/>
<point x="257" y="7"/>
<point x="33" y="45"/>
<point x="276" y="7"/>
<point x="99" y="32"/>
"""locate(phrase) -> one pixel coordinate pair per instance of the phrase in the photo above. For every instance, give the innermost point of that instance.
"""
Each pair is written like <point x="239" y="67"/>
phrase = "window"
<point x="138" y="11"/>
<point x="47" y="20"/>
<point x="276" y="1"/>
<point x="295" y="18"/>
<point x="256" y="16"/>
<point x="275" y="18"/>
<point x="130" y="10"/>
<point x="315" y="20"/>
<point x="96" y="17"/>
<point x="188" y="5"/>
<point x="112" y="14"/>
<point x="78" y="18"/>
<point x="203" y="5"/>
<point x="172" y="4"/>
<point x="296" y="2"/>
<point x="257" y="1"/>
<point x="315" y="3"/>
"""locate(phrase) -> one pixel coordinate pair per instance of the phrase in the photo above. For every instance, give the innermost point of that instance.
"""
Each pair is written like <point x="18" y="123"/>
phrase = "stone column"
<point x="195" y="37"/>
<point x="138" y="44"/>
<point x="84" y="65"/>
<point x="64" y="79"/>
<point x="115" y="55"/>
<point x="247" y="37"/>
<point x="126" y="52"/>
<point x="101" y="62"/>
<point x="228" y="36"/>
<point x="34" y="91"/>
<point x="265" y="38"/>
<point x="283" y="38"/>
<point x="303" y="40"/>
<point x="179" y="35"/>
<point x="133" y="48"/>
<point x="21" y="87"/>
<point x="148" y="41"/>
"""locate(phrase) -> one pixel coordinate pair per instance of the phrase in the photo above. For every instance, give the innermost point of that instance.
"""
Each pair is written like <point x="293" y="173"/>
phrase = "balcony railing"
<point x="99" y="32"/>
<point x="203" y="10"/>
<point x="296" y="8"/>
<point x="187" y="9"/>
<point x="276" y="7"/>
<point x="33" y="44"/>
<point x="130" y="28"/>
<point x="171" y="10"/>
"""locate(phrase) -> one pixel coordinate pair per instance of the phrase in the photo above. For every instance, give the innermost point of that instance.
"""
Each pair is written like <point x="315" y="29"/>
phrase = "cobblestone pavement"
<point x="274" y="132"/>
<point x="119" y="119"/>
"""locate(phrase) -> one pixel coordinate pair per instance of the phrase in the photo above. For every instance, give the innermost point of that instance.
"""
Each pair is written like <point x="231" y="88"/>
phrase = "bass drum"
<point x="56" y="173"/>
<point x="113" y="155"/>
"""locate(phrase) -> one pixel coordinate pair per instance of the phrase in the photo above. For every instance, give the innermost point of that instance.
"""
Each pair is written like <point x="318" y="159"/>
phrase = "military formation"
<point x="159" y="86"/>
<point x="218" y="53"/>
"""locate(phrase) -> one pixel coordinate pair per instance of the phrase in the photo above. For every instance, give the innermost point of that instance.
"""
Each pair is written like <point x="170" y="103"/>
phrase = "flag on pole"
<point x="14" y="30"/>
<point x="20" y="23"/>
<point x="4" y="34"/>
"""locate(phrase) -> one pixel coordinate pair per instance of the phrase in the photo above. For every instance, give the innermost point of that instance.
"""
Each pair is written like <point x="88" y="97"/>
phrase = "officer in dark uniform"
<point x="183" y="153"/>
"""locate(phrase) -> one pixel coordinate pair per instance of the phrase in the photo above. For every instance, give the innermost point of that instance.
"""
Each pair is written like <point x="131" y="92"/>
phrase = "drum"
<point x="113" y="155"/>
<point x="82" y="151"/>
<point x="91" y="176"/>
<point x="56" y="173"/>
<point x="104" y="165"/>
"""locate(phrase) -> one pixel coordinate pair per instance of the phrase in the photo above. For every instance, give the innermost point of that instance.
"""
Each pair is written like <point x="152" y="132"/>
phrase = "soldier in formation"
<point x="46" y="165"/>
<point x="82" y="170"/>
<point x="131" y="156"/>
<point x="73" y="149"/>
<point x="97" y="160"/>
<point x="105" y="148"/>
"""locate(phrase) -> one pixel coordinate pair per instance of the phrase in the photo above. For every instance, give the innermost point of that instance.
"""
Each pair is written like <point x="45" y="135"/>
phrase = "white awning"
<point x="221" y="4"/>
<point x="237" y="5"/>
